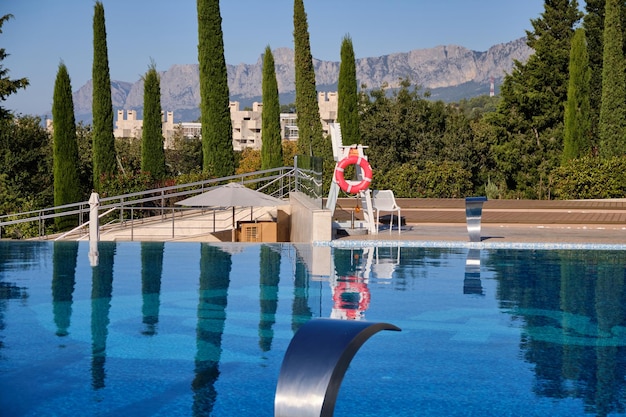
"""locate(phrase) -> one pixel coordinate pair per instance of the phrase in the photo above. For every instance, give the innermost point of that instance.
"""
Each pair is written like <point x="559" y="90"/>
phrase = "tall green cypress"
<point x="310" y="134"/>
<point x="594" y="31"/>
<point x="347" y="112"/>
<point x="102" y="106"/>
<point x="65" y="147"/>
<point x="271" y="141"/>
<point x="612" y="124"/>
<point x="152" y="153"/>
<point x="217" y="132"/>
<point x="577" y="121"/>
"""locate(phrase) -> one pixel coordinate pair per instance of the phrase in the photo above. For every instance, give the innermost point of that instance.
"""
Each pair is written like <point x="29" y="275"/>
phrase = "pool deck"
<point x="504" y="222"/>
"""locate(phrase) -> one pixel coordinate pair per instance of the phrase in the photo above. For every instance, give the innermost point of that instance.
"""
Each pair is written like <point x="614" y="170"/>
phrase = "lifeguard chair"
<point x="345" y="156"/>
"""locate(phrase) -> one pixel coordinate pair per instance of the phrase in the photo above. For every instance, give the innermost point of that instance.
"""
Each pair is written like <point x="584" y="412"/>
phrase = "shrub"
<point x="435" y="180"/>
<point x="590" y="177"/>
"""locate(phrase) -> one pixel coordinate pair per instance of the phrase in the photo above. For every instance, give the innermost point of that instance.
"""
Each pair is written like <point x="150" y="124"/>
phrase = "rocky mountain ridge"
<point x="452" y="71"/>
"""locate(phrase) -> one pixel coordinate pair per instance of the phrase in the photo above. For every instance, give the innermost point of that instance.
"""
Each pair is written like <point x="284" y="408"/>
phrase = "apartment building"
<point x="246" y="123"/>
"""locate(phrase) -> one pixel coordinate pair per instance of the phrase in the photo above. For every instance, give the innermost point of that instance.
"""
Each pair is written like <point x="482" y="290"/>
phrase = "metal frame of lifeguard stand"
<point x="340" y="152"/>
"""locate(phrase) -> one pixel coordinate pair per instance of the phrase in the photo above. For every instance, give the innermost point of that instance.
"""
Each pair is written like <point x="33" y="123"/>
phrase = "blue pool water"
<point x="189" y="329"/>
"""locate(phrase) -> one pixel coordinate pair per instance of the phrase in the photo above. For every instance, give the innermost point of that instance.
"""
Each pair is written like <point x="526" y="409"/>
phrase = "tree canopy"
<point x="8" y="86"/>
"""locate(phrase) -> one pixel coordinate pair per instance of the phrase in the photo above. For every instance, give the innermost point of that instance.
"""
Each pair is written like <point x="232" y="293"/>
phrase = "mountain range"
<point x="449" y="73"/>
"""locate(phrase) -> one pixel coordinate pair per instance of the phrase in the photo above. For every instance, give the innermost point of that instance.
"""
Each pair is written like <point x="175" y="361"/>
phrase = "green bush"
<point x="435" y="180"/>
<point x="590" y="177"/>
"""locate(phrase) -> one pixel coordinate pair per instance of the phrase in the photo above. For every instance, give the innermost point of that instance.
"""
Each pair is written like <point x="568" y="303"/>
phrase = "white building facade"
<point x="246" y="124"/>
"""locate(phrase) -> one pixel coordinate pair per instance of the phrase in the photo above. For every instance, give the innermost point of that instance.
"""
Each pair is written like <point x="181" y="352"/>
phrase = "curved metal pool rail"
<point x="315" y="363"/>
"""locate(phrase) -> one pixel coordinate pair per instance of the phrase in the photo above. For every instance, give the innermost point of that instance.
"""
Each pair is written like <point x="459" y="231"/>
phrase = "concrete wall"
<point x="309" y="222"/>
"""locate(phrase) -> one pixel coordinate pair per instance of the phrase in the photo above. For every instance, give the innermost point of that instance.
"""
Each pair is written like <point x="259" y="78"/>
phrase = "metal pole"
<point x="94" y="228"/>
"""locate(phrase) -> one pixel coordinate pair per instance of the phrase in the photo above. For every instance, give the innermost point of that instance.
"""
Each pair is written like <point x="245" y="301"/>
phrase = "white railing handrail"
<point x="126" y="201"/>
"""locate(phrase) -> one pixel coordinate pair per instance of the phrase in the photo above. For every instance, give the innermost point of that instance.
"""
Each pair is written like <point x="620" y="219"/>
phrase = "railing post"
<point x="162" y="203"/>
<point x="173" y="216"/>
<point x="296" y="187"/>
<point x="41" y="223"/>
<point x="94" y="228"/>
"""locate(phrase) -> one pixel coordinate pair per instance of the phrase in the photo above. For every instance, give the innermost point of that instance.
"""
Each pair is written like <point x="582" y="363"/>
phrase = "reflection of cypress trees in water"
<point x="346" y="261"/>
<point x="580" y="340"/>
<point x="215" y="266"/>
<point x="609" y="310"/>
<point x="577" y="292"/>
<point x="531" y="281"/>
<point x="16" y="256"/>
<point x="151" y="272"/>
<point x="301" y="312"/>
<point x="101" y="291"/>
<point x="64" y="259"/>
<point x="269" y="279"/>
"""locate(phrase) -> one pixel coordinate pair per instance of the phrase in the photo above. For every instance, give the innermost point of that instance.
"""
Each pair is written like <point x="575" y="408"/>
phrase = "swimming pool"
<point x="189" y="329"/>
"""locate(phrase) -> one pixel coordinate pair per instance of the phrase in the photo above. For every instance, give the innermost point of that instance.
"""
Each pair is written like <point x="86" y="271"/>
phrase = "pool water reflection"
<point x="185" y="329"/>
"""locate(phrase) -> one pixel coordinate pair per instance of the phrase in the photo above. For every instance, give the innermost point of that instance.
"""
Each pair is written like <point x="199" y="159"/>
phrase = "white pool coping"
<point x="468" y="245"/>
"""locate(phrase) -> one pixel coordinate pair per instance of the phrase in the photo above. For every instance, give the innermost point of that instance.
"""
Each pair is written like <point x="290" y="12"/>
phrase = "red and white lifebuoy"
<point x="353" y="186"/>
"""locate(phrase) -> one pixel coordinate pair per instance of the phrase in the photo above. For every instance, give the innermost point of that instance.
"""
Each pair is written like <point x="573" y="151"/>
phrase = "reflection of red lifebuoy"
<point x="343" y="301"/>
<point x="351" y="186"/>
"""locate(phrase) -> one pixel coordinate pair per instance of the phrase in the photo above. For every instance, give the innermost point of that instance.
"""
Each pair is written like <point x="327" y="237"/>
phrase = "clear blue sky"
<point x="45" y="32"/>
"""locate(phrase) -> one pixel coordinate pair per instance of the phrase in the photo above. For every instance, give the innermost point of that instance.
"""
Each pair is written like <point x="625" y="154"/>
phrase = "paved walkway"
<point x="506" y="221"/>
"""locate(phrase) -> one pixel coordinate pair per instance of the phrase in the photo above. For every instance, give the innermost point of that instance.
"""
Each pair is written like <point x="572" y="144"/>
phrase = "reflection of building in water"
<point x="471" y="283"/>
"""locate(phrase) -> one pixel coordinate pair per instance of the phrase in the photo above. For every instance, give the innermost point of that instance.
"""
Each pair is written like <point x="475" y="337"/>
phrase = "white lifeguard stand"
<point x="340" y="152"/>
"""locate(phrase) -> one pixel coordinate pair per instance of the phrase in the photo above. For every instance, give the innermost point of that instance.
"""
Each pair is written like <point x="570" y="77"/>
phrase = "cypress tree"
<point x="310" y="134"/>
<point x="576" y="136"/>
<point x="102" y="107"/>
<point x="612" y="124"/>
<point x="65" y="147"/>
<point x="271" y="143"/>
<point x="594" y="32"/>
<point x="152" y="153"/>
<point x="347" y="112"/>
<point x="217" y="132"/>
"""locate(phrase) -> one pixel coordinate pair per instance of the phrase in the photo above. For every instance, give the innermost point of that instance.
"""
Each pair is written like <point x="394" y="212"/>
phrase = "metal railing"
<point x="278" y="182"/>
